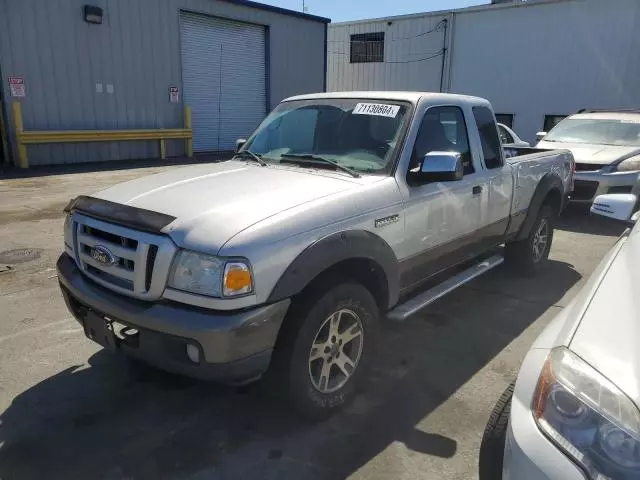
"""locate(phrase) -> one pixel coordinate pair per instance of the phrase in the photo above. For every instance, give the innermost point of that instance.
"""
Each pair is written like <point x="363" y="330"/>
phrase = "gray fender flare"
<point x="547" y="183"/>
<point x="335" y="248"/>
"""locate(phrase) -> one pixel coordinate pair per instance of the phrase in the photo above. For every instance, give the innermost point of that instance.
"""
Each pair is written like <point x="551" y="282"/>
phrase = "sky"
<point x="344" y="10"/>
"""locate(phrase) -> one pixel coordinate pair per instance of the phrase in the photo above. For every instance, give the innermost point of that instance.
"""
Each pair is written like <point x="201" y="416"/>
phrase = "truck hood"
<point x="214" y="202"/>
<point x="608" y="337"/>
<point x="593" y="154"/>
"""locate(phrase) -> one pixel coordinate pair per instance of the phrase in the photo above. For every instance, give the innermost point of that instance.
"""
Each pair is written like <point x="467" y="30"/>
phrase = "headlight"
<point x="209" y="275"/>
<point x="629" y="165"/>
<point x="588" y="417"/>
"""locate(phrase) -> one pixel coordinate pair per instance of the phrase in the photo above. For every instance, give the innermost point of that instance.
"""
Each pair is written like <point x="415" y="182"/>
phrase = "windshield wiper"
<point x="308" y="156"/>
<point x="250" y="155"/>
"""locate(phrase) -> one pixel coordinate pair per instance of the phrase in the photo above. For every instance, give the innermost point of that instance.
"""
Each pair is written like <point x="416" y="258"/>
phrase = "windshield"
<point x="597" y="131"/>
<point x="358" y="134"/>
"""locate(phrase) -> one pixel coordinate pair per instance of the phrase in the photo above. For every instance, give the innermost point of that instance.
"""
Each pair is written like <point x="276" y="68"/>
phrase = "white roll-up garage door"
<point x="224" y="79"/>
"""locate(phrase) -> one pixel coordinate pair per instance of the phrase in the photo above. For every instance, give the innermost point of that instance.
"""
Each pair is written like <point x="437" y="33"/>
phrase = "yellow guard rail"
<point x="80" y="136"/>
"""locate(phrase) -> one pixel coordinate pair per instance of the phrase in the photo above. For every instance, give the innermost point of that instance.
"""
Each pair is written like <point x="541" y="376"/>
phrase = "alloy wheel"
<point x="336" y="351"/>
<point x="540" y="240"/>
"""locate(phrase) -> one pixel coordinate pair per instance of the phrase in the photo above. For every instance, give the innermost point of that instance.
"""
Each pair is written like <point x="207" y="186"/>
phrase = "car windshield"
<point x="597" y="131"/>
<point x="359" y="134"/>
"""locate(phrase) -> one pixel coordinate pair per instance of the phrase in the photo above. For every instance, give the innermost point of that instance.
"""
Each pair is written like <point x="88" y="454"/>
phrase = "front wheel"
<point x="494" y="438"/>
<point x="529" y="254"/>
<point x="325" y="349"/>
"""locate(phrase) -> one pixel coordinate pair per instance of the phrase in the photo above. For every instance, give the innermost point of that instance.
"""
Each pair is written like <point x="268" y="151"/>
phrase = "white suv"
<point x="573" y="412"/>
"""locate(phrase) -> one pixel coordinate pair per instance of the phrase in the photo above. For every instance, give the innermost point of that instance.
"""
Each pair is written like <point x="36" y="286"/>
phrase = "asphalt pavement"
<point x="69" y="410"/>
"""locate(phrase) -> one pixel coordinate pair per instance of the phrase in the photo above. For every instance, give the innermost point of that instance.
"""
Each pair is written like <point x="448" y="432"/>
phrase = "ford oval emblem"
<point x="103" y="256"/>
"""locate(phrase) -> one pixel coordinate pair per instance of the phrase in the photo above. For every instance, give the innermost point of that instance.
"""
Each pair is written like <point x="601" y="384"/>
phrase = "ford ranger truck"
<point x="339" y="211"/>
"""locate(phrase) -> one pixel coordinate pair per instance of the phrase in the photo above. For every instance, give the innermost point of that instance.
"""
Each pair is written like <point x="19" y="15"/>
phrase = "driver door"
<point x="441" y="217"/>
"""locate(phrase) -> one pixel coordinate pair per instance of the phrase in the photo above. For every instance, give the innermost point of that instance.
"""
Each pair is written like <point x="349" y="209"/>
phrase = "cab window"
<point x="443" y="129"/>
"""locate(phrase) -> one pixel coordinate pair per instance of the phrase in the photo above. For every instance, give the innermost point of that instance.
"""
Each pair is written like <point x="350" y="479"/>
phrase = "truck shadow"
<point x="107" y="421"/>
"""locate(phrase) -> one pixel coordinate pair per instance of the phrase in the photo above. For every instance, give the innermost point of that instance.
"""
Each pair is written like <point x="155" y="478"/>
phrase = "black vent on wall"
<point x="92" y="14"/>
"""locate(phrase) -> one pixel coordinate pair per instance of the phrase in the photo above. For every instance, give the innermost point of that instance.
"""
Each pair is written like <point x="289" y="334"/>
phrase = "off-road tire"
<point x="521" y="255"/>
<point x="290" y="371"/>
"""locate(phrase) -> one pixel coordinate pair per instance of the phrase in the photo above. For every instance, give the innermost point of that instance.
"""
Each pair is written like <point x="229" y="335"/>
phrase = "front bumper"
<point x="588" y="185"/>
<point x="529" y="454"/>
<point x="233" y="346"/>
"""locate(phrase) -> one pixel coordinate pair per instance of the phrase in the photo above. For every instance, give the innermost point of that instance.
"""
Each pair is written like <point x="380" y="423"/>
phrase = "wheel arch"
<point x="356" y="254"/>
<point x="548" y="192"/>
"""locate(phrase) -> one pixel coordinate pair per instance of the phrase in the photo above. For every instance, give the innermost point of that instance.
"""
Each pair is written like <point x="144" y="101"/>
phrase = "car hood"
<point x="595" y="154"/>
<point x="608" y="337"/>
<point x="214" y="202"/>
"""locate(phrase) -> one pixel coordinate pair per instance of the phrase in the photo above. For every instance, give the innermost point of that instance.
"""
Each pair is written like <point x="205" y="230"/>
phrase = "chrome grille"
<point x="129" y="261"/>
<point x="124" y="250"/>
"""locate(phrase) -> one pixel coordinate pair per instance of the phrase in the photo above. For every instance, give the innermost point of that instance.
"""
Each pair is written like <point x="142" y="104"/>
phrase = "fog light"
<point x="193" y="353"/>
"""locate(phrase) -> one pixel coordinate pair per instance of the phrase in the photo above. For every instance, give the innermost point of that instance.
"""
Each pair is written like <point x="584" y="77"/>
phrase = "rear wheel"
<point x="325" y="348"/>
<point x="526" y="256"/>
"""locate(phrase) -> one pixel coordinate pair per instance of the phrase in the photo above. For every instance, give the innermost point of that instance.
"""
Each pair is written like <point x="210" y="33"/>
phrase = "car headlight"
<point x="210" y="275"/>
<point x="588" y="417"/>
<point x="629" y="165"/>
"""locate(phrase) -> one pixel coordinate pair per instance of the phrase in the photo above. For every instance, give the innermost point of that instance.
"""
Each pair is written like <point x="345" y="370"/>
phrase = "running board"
<point x="417" y="303"/>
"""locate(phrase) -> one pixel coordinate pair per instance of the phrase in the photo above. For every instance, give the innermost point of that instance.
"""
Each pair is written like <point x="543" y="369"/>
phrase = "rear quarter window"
<point x="488" y="137"/>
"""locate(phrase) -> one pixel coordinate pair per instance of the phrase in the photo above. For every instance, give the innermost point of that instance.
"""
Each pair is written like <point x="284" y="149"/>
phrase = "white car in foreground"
<point x="573" y="413"/>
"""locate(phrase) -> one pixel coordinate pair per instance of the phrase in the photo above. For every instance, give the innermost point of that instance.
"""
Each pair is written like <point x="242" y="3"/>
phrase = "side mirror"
<point x="240" y="143"/>
<point x="540" y="135"/>
<point x="439" y="167"/>
<point x="618" y="206"/>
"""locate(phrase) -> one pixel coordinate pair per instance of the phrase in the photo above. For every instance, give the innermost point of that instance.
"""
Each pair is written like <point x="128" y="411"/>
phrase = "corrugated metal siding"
<point x="412" y="54"/>
<point x="549" y="58"/>
<point x="137" y="50"/>
<point x="530" y="59"/>
<point x="223" y="72"/>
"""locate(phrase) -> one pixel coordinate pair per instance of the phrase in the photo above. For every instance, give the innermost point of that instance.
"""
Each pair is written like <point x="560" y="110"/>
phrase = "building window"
<point x="505" y="119"/>
<point x="551" y="121"/>
<point x="367" y="47"/>
<point x="488" y="137"/>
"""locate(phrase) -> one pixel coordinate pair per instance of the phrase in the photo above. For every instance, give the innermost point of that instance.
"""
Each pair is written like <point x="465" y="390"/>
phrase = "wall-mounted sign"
<point x="174" y="94"/>
<point x="16" y="84"/>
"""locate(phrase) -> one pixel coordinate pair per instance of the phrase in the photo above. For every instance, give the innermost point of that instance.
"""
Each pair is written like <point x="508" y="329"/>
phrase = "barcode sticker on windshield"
<point x="380" y="109"/>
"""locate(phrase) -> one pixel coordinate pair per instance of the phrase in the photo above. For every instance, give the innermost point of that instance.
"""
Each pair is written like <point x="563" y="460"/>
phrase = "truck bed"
<point x="514" y="154"/>
<point x="530" y="165"/>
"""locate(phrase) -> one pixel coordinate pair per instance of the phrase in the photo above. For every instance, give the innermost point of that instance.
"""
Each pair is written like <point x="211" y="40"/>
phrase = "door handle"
<point x="477" y="190"/>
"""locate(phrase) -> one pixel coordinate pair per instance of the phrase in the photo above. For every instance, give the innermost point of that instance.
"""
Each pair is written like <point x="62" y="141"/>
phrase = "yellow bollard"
<point x="3" y="134"/>
<point x="163" y="155"/>
<point x="23" y="159"/>
<point x="187" y="125"/>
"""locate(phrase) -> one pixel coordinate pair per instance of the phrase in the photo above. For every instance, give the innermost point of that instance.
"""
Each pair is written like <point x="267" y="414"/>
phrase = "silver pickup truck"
<point x="341" y="209"/>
